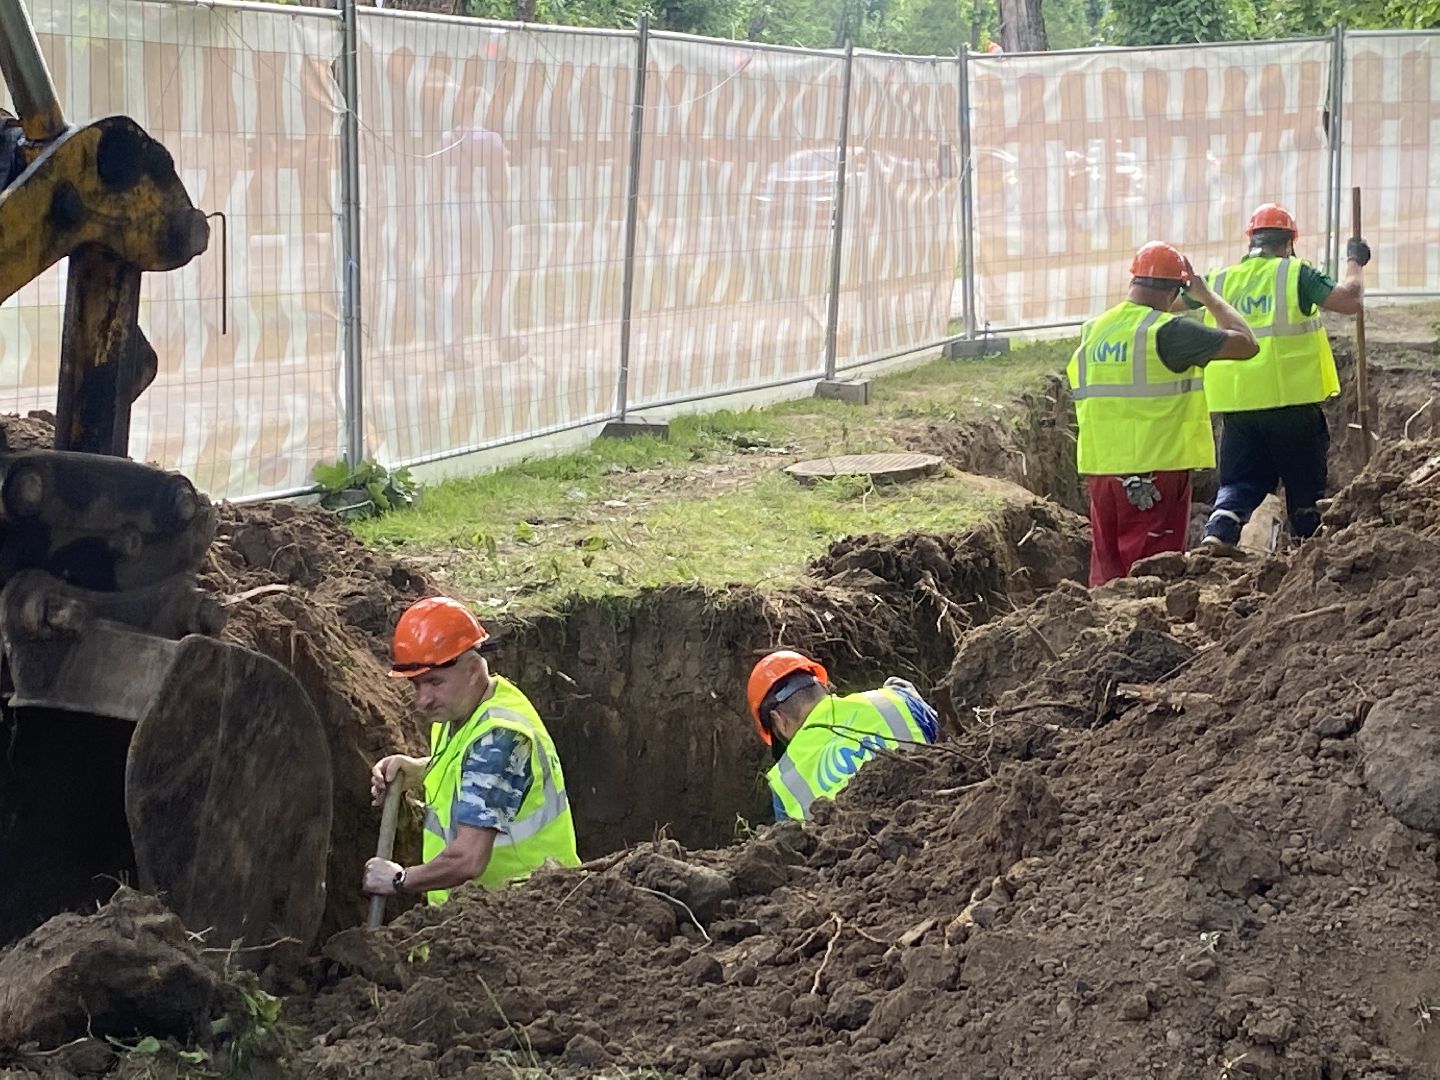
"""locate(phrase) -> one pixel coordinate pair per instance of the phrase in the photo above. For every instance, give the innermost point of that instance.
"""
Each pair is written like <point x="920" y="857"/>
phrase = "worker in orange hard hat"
<point x="819" y="740"/>
<point x="1272" y="427"/>
<point x="496" y="807"/>
<point x="1140" y="403"/>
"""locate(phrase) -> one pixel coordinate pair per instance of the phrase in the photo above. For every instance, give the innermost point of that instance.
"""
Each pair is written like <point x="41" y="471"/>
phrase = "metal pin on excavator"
<point x="134" y="743"/>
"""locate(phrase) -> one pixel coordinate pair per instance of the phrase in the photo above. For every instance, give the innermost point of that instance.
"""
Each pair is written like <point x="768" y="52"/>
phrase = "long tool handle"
<point x="1362" y="369"/>
<point x="31" y="87"/>
<point x="386" y="846"/>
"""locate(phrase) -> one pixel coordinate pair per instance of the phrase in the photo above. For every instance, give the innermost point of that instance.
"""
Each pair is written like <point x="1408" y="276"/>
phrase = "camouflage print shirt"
<point x="493" y="780"/>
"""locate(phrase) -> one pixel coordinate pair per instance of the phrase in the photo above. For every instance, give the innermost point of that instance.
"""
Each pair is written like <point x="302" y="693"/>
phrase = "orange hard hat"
<point x="1158" y="259"/>
<point x="1272" y="216"/>
<point x="771" y="670"/>
<point x="431" y="633"/>
<point x="994" y="48"/>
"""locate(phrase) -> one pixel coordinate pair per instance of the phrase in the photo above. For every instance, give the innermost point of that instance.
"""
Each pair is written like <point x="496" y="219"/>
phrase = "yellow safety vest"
<point x="543" y="829"/>
<point x="1295" y="365"/>
<point x="1135" y="414"/>
<point x="839" y="735"/>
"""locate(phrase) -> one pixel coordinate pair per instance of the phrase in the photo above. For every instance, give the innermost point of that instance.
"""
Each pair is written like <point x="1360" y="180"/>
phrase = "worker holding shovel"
<point x="819" y="739"/>
<point x="496" y="807"/>
<point x="1272" y="428"/>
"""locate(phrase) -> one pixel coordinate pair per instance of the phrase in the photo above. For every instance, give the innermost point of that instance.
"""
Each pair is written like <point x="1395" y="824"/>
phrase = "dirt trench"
<point x="644" y="693"/>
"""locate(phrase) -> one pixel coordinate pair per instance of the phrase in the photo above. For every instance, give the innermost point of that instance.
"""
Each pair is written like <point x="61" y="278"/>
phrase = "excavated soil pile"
<point x="1404" y="402"/>
<point x="1401" y="488"/>
<point x="1229" y="872"/>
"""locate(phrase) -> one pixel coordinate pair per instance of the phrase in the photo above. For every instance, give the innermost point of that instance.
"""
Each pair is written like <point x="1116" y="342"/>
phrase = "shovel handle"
<point x="386" y="845"/>
<point x="1362" y="367"/>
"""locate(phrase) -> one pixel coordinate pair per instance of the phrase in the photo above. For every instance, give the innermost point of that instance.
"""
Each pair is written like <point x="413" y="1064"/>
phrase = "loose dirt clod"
<point x="130" y="967"/>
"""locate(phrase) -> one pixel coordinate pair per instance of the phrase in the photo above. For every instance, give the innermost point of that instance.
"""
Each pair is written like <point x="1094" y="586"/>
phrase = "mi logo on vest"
<point x="1252" y="305"/>
<point x="1111" y="351"/>
<point x="841" y="759"/>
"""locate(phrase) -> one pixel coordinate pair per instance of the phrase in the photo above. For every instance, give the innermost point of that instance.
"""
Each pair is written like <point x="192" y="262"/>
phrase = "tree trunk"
<point x="1022" y="26"/>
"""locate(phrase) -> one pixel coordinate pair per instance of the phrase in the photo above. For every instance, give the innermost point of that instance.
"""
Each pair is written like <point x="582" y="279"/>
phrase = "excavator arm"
<point x="135" y="743"/>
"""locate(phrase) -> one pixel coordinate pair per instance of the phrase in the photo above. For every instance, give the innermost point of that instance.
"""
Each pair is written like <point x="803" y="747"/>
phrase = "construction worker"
<point x="1140" y="404"/>
<point x="820" y="740"/>
<point x="1272" y="428"/>
<point x="495" y="800"/>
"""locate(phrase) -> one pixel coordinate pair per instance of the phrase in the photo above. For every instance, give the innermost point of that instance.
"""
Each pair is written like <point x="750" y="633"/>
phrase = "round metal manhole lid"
<point x="880" y="468"/>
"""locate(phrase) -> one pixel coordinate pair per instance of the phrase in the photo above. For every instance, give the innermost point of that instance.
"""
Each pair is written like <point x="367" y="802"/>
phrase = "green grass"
<point x="709" y="506"/>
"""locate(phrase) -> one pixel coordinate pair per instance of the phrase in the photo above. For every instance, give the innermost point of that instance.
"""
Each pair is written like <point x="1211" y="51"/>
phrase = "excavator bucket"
<point x="226" y="794"/>
<point x="228" y="820"/>
<point x="135" y="745"/>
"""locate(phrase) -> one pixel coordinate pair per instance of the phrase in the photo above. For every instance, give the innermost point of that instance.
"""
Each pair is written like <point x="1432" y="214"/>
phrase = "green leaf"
<point x="377" y="494"/>
<point x="333" y="477"/>
<point x="149" y="1046"/>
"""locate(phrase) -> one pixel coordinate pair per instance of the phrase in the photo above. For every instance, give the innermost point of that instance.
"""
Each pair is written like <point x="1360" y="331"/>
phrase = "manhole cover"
<point x="880" y="468"/>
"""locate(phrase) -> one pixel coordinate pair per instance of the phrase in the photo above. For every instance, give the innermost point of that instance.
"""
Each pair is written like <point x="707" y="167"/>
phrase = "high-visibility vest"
<point x="839" y="735"/>
<point x="1295" y="365"/>
<point x="544" y="827"/>
<point x="1135" y="414"/>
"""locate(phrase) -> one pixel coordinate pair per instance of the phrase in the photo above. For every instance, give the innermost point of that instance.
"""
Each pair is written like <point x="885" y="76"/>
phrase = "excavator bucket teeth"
<point x="228" y="795"/>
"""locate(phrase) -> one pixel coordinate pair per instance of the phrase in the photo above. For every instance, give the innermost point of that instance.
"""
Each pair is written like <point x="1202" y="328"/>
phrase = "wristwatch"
<point x="399" y="882"/>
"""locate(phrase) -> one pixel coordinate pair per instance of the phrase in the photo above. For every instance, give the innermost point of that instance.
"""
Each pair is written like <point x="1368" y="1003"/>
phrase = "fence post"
<point x="837" y="229"/>
<point x="350" y="237"/>
<point x="632" y="210"/>
<point x="1334" y="203"/>
<point x="967" y="197"/>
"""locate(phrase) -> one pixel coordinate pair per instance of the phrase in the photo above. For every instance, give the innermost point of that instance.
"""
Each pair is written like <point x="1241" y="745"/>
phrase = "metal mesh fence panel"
<point x="493" y="177"/>
<point x="494" y="174"/>
<point x="1082" y="157"/>
<point x="737" y="185"/>
<point x="1391" y="150"/>
<point x="902" y="212"/>
<point x="246" y="103"/>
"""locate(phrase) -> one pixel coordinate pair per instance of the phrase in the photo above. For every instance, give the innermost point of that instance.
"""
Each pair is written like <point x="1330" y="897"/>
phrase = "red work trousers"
<point x="1122" y="534"/>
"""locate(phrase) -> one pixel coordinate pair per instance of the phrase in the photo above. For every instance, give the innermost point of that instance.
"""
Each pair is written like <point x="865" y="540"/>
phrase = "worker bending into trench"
<point x="819" y="740"/>
<point x="1140" y="404"/>
<point x="496" y="807"/>
<point x="1272" y="427"/>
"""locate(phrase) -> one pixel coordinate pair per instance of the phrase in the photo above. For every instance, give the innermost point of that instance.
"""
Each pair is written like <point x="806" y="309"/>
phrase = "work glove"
<point x="1357" y="249"/>
<point x="1141" y="491"/>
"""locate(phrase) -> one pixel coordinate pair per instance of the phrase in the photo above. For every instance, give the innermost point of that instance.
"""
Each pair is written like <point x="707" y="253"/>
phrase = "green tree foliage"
<point x="1146" y="22"/>
<point x="1074" y="24"/>
<point x="1297" y="18"/>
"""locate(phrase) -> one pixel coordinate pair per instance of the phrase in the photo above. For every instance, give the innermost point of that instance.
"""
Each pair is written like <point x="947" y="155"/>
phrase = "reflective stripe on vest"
<point x="553" y="803"/>
<point x="900" y="732"/>
<point x="1139" y="385"/>
<point x="1283" y="323"/>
